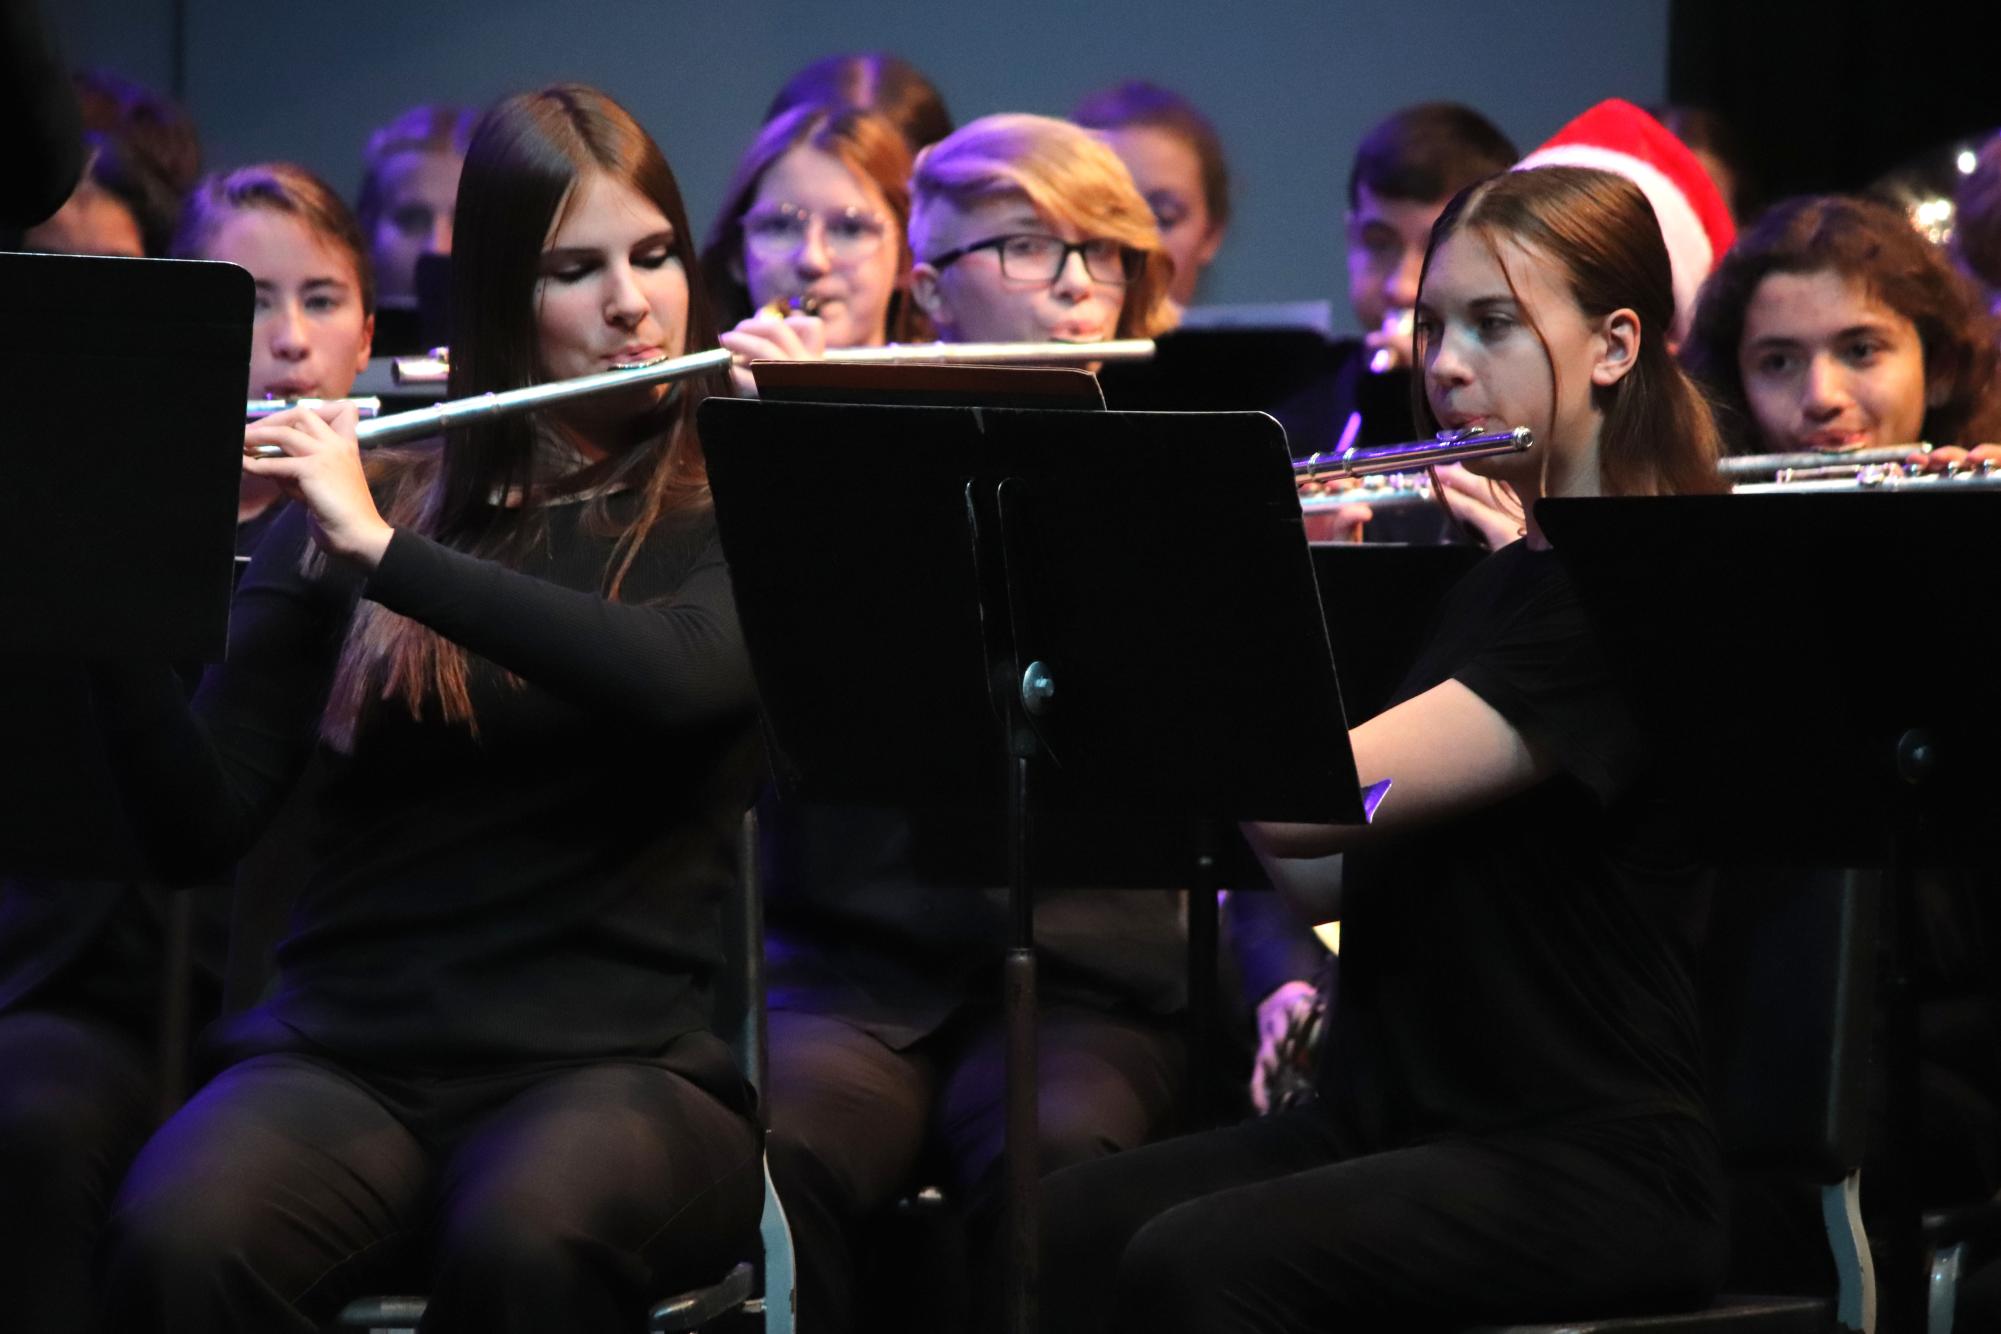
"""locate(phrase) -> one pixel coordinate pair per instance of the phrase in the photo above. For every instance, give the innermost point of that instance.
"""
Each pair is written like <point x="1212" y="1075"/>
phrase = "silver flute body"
<point x="995" y="354"/>
<point x="1878" y="479"/>
<point x="1379" y="491"/>
<point x="434" y="369"/>
<point x="257" y="409"/>
<point x="415" y="425"/>
<point x="1445" y="447"/>
<point x="1766" y="465"/>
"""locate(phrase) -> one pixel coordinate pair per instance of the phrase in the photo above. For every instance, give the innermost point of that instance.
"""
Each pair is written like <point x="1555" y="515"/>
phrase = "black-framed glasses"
<point x="1032" y="258"/>
<point x="778" y="231"/>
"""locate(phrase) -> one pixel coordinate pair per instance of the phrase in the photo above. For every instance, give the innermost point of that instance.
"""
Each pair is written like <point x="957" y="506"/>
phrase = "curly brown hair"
<point x="1875" y="245"/>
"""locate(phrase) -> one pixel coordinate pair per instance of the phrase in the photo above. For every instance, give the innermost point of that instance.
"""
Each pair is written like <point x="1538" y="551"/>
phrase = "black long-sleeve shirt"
<point x="542" y="889"/>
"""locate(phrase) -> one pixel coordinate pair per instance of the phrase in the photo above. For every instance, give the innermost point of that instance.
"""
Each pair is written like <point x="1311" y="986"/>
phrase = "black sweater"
<point x="542" y="890"/>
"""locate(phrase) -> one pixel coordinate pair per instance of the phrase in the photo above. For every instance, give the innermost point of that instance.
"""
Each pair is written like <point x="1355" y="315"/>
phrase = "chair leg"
<point x="1943" y="1291"/>
<point x="1841" y="1213"/>
<point x="780" y="1302"/>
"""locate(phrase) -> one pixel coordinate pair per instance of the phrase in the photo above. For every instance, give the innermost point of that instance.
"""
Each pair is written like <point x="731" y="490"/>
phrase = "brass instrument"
<point x="1445" y="447"/>
<point x="257" y="409"/>
<point x="415" y="425"/>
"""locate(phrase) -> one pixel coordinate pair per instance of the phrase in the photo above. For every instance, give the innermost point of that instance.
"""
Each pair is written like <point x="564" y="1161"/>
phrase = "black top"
<point x="541" y="890"/>
<point x="1527" y="965"/>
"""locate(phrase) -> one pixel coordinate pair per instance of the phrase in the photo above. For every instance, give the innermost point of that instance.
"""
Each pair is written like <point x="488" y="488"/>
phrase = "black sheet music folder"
<point x="1777" y="647"/>
<point x="1157" y="568"/>
<point x="124" y="383"/>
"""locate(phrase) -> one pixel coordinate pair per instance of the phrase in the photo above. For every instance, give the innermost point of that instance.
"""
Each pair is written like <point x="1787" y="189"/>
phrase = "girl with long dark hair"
<point x="515" y="660"/>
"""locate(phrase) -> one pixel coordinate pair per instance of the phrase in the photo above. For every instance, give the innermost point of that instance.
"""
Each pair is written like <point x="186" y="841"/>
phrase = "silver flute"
<point x="435" y="367"/>
<point x="414" y="425"/>
<point x="1765" y="465"/>
<point x="1379" y="491"/>
<point x="1445" y="447"/>
<point x="257" y="409"/>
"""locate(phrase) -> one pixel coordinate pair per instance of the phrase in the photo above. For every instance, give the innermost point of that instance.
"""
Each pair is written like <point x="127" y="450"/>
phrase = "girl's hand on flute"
<point x="1492" y="510"/>
<point x="321" y="469"/>
<point x="1948" y="456"/>
<point x="770" y="338"/>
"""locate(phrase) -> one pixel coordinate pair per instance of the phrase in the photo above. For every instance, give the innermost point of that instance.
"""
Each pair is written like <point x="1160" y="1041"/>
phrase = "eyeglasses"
<point x="779" y="231"/>
<point x="1031" y="258"/>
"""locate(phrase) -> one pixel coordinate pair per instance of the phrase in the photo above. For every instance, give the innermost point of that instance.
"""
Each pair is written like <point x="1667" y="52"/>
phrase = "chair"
<point x="1789" y="988"/>
<point x="740" y="1019"/>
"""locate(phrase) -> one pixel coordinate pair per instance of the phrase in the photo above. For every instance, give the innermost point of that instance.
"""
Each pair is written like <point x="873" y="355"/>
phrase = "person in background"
<point x="1176" y="159"/>
<point x="1406" y="168"/>
<point x="158" y="128"/>
<point x="873" y="81"/>
<point x="81" y="963"/>
<point x="886" y="1034"/>
<point x="409" y="192"/>
<point x="812" y="227"/>
<point x="118" y="208"/>
<point x="1832" y="324"/>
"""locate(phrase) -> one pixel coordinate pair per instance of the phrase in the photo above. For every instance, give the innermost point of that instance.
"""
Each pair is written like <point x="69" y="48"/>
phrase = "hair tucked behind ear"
<point x="1658" y="436"/>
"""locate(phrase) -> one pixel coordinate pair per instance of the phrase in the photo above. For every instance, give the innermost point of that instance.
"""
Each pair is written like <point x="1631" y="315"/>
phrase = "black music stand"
<point x="124" y="383"/>
<point x="1800" y="663"/>
<point x="1033" y="611"/>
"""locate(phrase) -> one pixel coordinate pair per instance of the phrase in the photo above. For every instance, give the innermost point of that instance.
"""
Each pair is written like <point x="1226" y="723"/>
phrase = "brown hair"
<point x="875" y="81"/>
<point x="1427" y="152"/>
<point x="279" y="187"/>
<point x="429" y="128"/>
<point x="1873" y="244"/>
<point x="1137" y="102"/>
<point x="1658" y="437"/>
<point x="871" y="148"/>
<point x="522" y="167"/>
<point x="153" y="126"/>
<point x="1065" y="175"/>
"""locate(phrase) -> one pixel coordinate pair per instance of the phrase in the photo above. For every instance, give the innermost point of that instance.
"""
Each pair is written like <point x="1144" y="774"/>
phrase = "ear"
<point x="1211" y="243"/>
<point x="1617" y="347"/>
<point x="367" y="345"/>
<point x="736" y="269"/>
<point x="1937" y="392"/>
<point x="929" y="295"/>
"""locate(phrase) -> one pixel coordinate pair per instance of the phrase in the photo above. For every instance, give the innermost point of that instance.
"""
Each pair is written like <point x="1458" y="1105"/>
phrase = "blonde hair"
<point x="1067" y="176"/>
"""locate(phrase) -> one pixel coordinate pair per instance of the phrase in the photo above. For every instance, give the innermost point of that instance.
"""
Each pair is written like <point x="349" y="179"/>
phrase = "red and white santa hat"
<point x="1617" y="136"/>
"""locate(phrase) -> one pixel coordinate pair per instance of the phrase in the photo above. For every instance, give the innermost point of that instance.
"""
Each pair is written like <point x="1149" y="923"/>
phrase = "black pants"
<point x="78" y="1096"/>
<point x="1277" y="1226"/>
<point x="566" y="1199"/>
<point x="850" y="1116"/>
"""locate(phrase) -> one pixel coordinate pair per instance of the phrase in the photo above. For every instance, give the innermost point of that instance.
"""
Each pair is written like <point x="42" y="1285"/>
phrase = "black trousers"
<point x="562" y="1199"/>
<point x="850" y="1117"/>
<point x="1278" y="1225"/>
<point x="78" y="1096"/>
